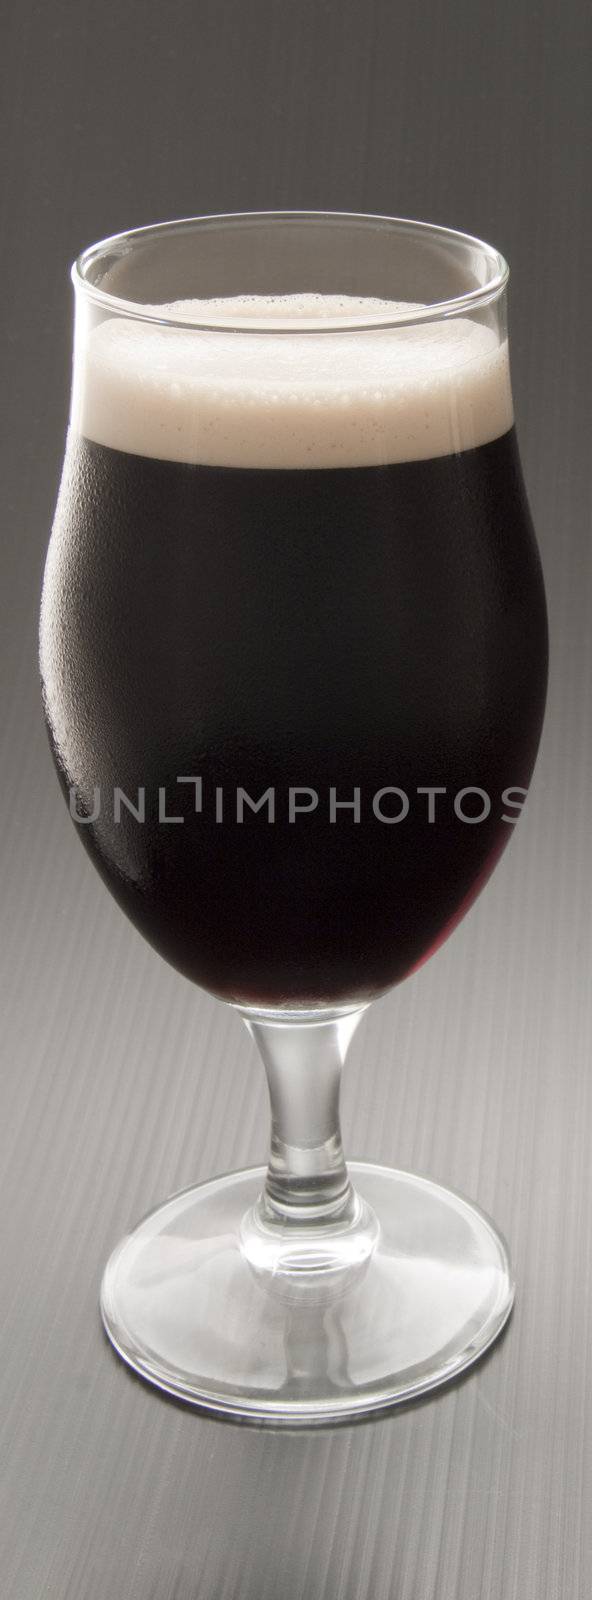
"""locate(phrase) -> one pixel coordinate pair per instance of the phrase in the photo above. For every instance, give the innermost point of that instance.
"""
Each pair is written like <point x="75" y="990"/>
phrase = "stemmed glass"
<point x="293" y="651"/>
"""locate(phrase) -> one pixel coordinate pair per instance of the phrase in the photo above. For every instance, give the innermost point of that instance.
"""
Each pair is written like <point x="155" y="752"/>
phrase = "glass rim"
<point x="435" y="311"/>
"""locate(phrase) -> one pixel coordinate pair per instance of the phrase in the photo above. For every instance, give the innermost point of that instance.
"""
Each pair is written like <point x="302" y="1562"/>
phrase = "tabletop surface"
<point x="120" y="1083"/>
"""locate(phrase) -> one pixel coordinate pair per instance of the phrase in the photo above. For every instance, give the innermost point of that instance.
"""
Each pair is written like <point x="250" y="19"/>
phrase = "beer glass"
<point x="293" y="651"/>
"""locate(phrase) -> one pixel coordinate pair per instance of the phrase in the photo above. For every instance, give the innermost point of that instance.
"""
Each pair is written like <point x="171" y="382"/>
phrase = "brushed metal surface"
<point x="119" y="1083"/>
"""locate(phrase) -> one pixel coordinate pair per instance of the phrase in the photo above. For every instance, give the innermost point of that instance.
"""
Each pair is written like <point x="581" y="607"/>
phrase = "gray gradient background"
<point x="119" y="1083"/>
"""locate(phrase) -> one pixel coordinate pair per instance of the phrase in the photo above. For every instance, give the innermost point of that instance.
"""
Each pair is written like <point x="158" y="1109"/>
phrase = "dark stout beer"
<point x="292" y="631"/>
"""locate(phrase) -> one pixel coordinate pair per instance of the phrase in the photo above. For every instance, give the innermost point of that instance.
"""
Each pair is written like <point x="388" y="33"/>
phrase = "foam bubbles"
<point x="223" y="397"/>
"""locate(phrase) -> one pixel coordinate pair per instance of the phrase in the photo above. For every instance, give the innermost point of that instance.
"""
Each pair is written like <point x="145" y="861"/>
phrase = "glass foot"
<point x="184" y="1305"/>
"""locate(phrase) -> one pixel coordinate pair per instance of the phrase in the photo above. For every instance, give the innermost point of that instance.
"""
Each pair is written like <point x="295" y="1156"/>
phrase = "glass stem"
<point x="307" y="1182"/>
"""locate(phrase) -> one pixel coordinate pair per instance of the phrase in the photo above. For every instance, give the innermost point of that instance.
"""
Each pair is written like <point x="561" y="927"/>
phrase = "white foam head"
<point x="359" y="397"/>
